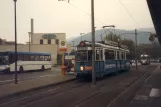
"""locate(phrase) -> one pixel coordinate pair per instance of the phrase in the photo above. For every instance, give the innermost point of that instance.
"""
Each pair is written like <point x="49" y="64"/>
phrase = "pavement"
<point x="149" y="95"/>
<point x="111" y="91"/>
<point x="31" y="81"/>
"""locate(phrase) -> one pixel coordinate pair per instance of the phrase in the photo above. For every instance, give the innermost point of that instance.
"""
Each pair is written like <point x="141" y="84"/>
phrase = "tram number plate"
<point x="82" y="48"/>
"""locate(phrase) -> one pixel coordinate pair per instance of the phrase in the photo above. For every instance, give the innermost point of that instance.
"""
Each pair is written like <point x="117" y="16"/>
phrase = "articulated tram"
<point x="109" y="58"/>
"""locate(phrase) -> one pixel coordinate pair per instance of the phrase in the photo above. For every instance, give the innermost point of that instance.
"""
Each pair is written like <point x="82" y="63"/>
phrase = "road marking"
<point x="42" y="76"/>
<point x="141" y="97"/>
<point x="155" y="92"/>
<point x="6" y="81"/>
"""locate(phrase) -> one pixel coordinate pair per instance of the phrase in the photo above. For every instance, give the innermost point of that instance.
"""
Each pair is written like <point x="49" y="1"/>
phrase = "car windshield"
<point x="3" y="60"/>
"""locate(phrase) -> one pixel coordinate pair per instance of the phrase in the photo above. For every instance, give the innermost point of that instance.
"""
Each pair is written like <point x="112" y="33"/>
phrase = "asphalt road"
<point x="81" y="93"/>
<point x="8" y="78"/>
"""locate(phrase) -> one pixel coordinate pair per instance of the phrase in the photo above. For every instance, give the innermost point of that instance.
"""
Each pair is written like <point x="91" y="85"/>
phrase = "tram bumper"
<point x="83" y="74"/>
<point x="84" y="71"/>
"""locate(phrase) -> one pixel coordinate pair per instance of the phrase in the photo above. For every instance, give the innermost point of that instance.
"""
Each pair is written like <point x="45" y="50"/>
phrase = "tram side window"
<point x="109" y="54"/>
<point x="122" y="56"/>
<point x="89" y="55"/>
<point x="99" y="55"/>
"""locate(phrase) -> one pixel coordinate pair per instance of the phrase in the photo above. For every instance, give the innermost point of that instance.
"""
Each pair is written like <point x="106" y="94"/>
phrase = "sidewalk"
<point x="33" y="84"/>
<point x="149" y="94"/>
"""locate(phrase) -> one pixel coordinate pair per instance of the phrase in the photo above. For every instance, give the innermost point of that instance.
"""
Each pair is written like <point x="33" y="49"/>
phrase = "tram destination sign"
<point x="83" y="48"/>
<point x="49" y="36"/>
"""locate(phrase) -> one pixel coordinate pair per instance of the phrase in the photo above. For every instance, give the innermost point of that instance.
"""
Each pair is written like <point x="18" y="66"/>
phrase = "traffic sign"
<point x="62" y="46"/>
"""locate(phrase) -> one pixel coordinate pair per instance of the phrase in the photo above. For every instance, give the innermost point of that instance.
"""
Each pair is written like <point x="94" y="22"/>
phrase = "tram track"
<point x="82" y="104"/>
<point x="55" y="88"/>
<point x="65" y="88"/>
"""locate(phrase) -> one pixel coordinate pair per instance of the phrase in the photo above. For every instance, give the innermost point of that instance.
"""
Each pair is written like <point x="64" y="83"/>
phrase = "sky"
<point x="54" y="16"/>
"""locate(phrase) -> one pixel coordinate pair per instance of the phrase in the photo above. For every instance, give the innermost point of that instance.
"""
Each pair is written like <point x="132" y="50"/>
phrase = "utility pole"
<point x="93" y="43"/>
<point x="29" y="41"/>
<point x="32" y="30"/>
<point x="16" y="80"/>
<point x="136" y="61"/>
<point x="73" y="46"/>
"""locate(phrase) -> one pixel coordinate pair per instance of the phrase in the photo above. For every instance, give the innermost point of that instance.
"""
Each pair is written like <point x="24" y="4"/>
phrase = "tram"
<point x="145" y="59"/>
<point x="109" y="58"/>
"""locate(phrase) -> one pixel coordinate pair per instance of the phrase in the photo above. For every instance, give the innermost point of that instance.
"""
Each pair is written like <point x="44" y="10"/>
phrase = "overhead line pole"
<point x="93" y="43"/>
<point x="16" y="80"/>
<point x="136" y="55"/>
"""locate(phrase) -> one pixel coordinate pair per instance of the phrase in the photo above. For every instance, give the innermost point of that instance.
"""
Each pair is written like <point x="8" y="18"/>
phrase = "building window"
<point x="41" y="41"/>
<point x="57" y="41"/>
<point x="49" y="41"/>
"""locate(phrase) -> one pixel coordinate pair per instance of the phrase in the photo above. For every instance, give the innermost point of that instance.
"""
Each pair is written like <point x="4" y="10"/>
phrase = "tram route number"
<point x="82" y="48"/>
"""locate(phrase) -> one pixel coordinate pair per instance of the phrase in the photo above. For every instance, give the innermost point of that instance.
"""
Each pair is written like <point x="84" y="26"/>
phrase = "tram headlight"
<point x="81" y="68"/>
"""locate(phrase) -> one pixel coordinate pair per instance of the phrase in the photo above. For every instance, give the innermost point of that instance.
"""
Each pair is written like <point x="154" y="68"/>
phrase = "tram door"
<point x="99" y="60"/>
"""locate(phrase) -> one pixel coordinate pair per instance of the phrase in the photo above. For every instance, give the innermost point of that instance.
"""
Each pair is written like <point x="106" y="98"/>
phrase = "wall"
<point x="37" y="36"/>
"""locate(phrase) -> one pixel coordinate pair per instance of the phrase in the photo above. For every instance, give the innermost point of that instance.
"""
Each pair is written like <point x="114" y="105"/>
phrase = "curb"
<point x="35" y="89"/>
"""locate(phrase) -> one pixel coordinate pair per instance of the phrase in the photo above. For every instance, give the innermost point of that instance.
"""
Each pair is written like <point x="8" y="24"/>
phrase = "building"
<point x="4" y="42"/>
<point x="54" y="43"/>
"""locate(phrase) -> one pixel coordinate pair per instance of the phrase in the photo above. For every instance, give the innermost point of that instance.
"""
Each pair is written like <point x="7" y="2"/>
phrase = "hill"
<point x="143" y="38"/>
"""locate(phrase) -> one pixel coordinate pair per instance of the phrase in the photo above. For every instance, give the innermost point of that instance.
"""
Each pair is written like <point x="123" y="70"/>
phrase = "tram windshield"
<point x="81" y="56"/>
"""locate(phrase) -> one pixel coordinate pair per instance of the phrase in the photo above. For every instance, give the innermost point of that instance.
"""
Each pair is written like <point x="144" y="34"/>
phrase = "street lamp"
<point x="16" y="80"/>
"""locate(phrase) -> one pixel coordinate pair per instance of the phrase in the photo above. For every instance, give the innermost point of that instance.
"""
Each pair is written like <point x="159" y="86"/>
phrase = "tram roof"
<point x="106" y="46"/>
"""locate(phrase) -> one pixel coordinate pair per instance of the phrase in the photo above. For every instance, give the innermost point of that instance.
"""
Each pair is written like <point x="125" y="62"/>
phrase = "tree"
<point x="129" y="43"/>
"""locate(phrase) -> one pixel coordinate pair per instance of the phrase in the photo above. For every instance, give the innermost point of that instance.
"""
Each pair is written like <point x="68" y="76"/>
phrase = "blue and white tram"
<point x="109" y="58"/>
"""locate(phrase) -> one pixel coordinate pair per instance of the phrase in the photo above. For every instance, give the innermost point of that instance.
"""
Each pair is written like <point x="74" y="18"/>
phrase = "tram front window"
<point x="81" y="56"/>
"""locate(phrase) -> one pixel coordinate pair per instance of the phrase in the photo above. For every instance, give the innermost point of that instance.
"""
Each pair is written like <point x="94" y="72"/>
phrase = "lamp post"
<point x="135" y="45"/>
<point x="73" y="46"/>
<point x="16" y="80"/>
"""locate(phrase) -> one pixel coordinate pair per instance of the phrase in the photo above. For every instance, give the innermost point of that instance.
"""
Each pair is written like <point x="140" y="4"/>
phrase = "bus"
<point x="26" y="61"/>
<point x="145" y="59"/>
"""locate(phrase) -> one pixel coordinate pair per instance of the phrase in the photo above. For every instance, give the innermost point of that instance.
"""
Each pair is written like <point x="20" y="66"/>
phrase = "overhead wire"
<point x="105" y="30"/>
<point x="85" y="12"/>
<point x="128" y="13"/>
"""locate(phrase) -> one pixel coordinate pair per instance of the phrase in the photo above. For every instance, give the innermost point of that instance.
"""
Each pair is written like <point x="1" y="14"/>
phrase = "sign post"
<point x="62" y="49"/>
